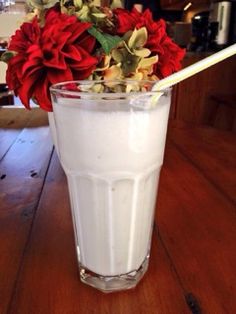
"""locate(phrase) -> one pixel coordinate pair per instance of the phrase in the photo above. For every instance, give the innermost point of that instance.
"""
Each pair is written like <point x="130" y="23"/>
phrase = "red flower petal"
<point x="27" y="89"/>
<point x="57" y="76"/>
<point x="77" y="30"/>
<point x="86" y="61"/>
<point x="54" y="59"/>
<point x="72" y="52"/>
<point x="42" y="95"/>
<point x="87" y="42"/>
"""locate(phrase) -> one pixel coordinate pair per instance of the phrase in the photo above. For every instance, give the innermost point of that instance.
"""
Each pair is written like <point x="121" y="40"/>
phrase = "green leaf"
<point x="6" y="56"/>
<point x="143" y="52"/>
<point x="78" y="3"/>
<point x="83" y="13"/>
<point x="42" y="4"/>
<point x="116" y="4"/>
<point x="138" y="38"/>
<point x="107" y="41"/>
<point x="99" y="15"/>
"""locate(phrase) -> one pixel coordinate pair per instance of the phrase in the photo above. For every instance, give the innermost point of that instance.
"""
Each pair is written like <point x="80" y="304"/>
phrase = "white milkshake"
<point x="112" y="157"/>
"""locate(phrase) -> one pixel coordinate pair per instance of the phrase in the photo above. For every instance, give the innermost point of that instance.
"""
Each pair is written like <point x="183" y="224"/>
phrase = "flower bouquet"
<point x="100" y="65"/>
<point x="77" y="40"/>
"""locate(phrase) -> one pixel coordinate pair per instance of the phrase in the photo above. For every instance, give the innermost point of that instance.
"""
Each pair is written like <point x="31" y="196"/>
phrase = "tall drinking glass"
<point x="111" y="138"/>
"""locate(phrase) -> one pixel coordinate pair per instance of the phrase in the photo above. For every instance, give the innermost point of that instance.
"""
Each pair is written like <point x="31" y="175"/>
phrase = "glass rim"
<point x="56" y="88"/>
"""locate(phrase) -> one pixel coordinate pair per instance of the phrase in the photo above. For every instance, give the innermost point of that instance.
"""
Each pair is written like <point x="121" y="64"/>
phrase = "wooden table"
<point x="193" y="258"/>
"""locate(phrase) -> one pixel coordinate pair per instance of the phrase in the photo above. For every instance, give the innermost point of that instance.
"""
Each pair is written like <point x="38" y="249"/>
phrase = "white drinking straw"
<point x="194" y="68"/>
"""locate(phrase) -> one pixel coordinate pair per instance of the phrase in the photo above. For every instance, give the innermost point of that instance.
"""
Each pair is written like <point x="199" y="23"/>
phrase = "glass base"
<point x="113" y="283"/>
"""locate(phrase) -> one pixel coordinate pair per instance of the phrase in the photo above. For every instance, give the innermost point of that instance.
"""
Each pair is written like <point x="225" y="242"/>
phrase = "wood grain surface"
<point x="25" y="157"/>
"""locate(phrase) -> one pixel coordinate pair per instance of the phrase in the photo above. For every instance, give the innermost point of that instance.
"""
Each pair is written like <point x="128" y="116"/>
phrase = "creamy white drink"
<point x="112" y="160"/>
<point x="112" y="153"/>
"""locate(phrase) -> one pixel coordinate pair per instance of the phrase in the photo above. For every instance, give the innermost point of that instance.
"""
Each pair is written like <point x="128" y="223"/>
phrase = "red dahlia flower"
<point x="58" y="51"/>
<point x="126" y="20"/>
<point x="170" y="55"/>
